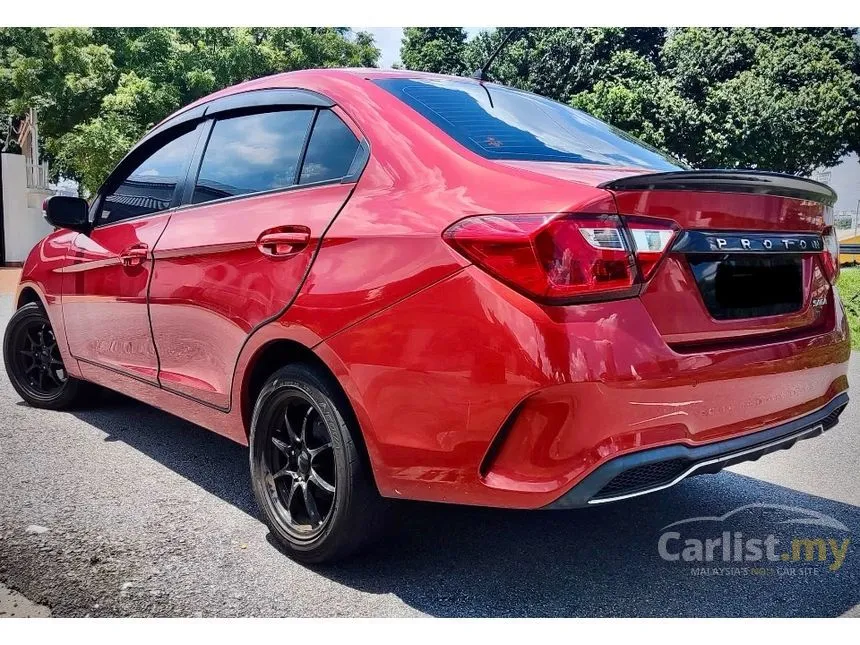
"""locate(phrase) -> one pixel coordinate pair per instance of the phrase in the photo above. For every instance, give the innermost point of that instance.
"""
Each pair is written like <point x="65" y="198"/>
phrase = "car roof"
<point x="313" y="80"/>
<point x="310" y="78"/>
<point x="369" y="73"/>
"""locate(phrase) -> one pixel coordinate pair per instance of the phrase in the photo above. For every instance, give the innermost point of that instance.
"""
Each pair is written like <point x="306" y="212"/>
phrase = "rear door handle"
<point x="134" y="255"/>
<point x="284" y="241"/>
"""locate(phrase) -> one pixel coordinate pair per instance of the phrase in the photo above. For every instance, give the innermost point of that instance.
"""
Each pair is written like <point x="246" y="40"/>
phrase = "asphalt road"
<point x="149" y="515"/>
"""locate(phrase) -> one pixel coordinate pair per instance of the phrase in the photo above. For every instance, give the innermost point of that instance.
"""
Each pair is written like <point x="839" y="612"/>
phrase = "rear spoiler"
<point x="729" y="181"/>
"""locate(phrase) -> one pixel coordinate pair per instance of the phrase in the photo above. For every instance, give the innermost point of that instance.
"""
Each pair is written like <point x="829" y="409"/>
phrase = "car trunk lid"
<point x="748" y="260"/>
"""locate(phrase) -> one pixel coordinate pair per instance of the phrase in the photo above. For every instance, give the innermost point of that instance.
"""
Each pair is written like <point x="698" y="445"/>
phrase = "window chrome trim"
<point x="262" y="193"/>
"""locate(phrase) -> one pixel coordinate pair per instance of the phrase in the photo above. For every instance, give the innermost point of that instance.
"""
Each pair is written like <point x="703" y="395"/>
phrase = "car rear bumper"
<point x="483" y="397"/>
<point x="655" y="469"/>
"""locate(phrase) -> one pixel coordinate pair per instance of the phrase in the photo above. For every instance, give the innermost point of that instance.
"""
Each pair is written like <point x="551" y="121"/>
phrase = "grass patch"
<point x="849" y="290"/>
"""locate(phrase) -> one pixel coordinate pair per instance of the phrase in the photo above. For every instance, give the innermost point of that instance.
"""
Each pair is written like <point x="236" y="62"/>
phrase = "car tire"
<point x="311" y="480"/>
<point x="34" y="365"/>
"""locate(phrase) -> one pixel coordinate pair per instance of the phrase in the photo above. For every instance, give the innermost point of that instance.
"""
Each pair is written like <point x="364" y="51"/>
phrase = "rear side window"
<point x="330" y="151"/>
<point x="497" y="122"/>
<point x="150" y="187"/>
<point x="252" y="154"/>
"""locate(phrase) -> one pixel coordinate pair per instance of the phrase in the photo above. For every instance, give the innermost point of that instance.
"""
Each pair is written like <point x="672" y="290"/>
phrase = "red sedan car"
<point x="403" y="285"/>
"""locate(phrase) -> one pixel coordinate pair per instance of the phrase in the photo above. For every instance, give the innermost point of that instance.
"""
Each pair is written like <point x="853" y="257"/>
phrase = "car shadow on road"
<point x="213" y="462"/>
<point x="603" y="561"/>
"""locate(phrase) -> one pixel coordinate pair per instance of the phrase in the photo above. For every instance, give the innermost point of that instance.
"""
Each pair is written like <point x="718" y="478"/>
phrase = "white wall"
<point x="23" y="223"/>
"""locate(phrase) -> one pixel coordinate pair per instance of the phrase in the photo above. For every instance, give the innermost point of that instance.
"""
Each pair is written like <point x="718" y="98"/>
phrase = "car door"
<point x="233" y="257"/>
<point x="104" y="288"/>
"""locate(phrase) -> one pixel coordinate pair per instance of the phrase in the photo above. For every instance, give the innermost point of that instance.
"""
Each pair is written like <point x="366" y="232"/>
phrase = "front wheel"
<point x="312" y="486"/>
<point x="33" y="362"/>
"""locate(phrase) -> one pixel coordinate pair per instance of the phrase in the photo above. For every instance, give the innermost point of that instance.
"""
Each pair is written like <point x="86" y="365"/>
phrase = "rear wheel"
<point x="312" y="486"/>
<point x="33" y="362"/>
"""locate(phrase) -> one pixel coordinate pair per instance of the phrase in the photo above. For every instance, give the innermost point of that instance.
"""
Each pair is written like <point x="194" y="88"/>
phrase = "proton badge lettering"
<point x="759" y="243"/>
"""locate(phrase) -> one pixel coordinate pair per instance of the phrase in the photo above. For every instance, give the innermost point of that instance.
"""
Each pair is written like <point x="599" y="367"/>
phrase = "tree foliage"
<point x="779" y="99"/>
<point x="98" y="90"/>
<point x="434" y="49"/>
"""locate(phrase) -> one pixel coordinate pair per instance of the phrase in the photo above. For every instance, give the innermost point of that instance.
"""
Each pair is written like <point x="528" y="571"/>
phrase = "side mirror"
<point x="67" y="212"/>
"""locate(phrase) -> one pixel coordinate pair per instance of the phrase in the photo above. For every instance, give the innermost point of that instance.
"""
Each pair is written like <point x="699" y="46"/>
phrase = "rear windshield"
<point x="498" y="122"/>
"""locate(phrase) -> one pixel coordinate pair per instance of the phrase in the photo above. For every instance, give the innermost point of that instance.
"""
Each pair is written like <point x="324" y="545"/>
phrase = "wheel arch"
<point x="33" y="291"/>
<point x="278" y="353"/>
<point x="266" y="360"/>
<point x="26" y="295"/>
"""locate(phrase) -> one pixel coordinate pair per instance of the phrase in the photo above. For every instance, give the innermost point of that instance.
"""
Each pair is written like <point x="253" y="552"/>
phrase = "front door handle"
<point x="284" y="241"/>
<point x="134" y="255"/>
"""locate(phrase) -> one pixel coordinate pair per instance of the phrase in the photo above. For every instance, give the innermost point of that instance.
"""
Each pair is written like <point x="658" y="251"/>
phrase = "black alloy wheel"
<point x="309" y="470"/>
<point x="299" y="465"/>
<point x="37" y="359"/>
<point x="34" y="364"/>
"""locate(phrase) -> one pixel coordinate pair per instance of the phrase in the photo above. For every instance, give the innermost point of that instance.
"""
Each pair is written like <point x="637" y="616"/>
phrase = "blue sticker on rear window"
<point x="497" y="122"/>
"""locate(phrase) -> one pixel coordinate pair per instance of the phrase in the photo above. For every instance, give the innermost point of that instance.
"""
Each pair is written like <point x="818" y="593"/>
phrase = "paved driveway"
<point x="147" y="514"/>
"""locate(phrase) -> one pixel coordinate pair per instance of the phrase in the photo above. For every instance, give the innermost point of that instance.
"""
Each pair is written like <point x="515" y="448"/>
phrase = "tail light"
<point x="830" y="257"/>
<point x="567" y="258"/>
<point x="651" y="239"/>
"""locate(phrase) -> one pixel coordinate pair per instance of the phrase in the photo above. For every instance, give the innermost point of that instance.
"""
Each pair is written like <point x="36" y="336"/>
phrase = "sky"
<point x="388" y="41"/>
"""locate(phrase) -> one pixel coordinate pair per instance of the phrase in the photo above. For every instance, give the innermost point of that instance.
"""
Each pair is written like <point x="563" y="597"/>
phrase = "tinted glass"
<point x="502" y="123"/>
<point x="330" y="150"/>
<point x="251" y="154"/>
<point x="150" y="187"/>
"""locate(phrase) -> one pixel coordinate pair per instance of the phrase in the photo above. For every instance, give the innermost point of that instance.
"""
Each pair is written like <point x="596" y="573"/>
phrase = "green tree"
<point x="633" y="96"/>
<point x="434" y="49"/>
<point x="98" y="90"/>
<point x="62" y="72"/>
<point x="558" y="62"/>
<point x="93" y="148"/>
<point x="778" y="99"/>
